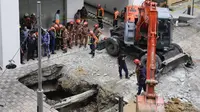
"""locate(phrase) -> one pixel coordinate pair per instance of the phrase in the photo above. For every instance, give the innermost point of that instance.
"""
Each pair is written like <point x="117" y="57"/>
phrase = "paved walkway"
<point x="16" y="97"/>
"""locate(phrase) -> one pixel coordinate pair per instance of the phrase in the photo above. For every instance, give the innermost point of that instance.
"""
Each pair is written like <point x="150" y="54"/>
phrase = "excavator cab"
<point x="164" y="29"/>
<point x="130" y="24"/>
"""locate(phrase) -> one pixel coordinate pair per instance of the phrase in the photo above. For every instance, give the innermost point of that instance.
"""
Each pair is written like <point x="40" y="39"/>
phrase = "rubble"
<point x="175" y="105"/>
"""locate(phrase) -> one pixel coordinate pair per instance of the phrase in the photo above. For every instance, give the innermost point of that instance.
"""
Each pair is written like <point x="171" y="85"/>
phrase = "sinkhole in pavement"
<point x="78" y="96"/>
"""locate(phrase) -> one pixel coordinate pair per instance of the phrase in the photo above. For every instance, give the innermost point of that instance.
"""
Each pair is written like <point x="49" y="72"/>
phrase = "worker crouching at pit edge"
<point x="84" y="34"/>
<point x="93" y="43"/>
<point x="122" y="65"/>
<point x="141" y="76"/>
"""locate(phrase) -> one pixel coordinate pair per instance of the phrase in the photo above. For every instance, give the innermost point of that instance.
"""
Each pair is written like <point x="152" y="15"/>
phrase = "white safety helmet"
<point x="33" y="14"/>
<point x="26" y="14"/>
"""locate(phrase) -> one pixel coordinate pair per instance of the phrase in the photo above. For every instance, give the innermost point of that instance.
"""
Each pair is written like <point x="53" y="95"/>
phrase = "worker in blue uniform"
<point x="122" y="65"/>
<point x="46" y="43"/>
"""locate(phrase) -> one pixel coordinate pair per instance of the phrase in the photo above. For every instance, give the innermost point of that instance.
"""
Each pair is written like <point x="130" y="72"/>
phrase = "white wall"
<point x="49" y="8"/>
<point x="72" y="7"/>
<point x="9" y="31"/>
<point x="108" y="5"/>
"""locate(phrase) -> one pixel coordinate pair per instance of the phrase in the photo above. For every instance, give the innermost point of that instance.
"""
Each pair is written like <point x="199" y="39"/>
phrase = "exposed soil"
<point x="175" y="105"/>
<point x="55" y="90"/>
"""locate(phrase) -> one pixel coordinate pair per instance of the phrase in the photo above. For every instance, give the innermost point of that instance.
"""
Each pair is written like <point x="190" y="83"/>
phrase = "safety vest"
<point x="116" y="15"/>
<point x="100" y="12"/>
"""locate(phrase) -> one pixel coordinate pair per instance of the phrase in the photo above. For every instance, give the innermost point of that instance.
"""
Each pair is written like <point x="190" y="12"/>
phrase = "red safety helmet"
<point x="136" y="61"/>
<point x="91" y="32"/>
<point x="52" y="28"/>
<point x="96" y="25"/>
<point x="71" y="22"/>
<point x="60" y="25"/>
<point x="55" y="26"/>
<point x="99" y="5"/>
<point x="85" y="23"/>
<point x="78" y="21"/>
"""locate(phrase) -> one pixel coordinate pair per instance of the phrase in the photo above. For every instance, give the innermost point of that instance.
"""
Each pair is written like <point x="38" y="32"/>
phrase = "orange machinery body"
<point x="148" y="17"/>
<point x="131" y="13"/>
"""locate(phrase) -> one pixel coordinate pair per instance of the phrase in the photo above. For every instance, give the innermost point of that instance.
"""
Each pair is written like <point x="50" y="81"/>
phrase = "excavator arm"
<point x="149" y="102"/>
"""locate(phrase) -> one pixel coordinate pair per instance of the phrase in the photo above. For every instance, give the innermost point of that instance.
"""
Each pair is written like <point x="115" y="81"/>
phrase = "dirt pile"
<point x="175" y="105"/>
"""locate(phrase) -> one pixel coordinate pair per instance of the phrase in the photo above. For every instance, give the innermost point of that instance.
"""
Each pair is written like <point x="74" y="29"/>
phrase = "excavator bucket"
<point x="173" y="62"/>
<point x="149" y="105"/>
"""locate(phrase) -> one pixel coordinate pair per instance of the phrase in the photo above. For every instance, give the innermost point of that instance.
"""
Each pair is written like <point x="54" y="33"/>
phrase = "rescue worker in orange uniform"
<point x="65" y="36"/>
<point x="93" y="43"/>
<point x="59" y="31"/>
<point x="115" y="18"/>
<point x="100" y="15"/>
<point x="78" y="29"/>
<point x="97" y="31"/>
<point x="84" y="37"/>
<point x="72" y="33"/>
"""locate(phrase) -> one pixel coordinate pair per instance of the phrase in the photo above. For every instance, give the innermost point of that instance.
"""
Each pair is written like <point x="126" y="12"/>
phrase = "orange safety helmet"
<point x="85" y="23"/>
<point x="136" y="61"/>
<point x="78" y="21"/>
<point x="96" y="25"/>
<point x="71" y="22"/>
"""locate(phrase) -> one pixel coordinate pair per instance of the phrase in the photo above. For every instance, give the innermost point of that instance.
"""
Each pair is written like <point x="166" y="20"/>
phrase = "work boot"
<point x="22" y="63"/>
<point x="53" y="53"/>
<point x="90" y="53"/>
<point x="127" y="77"/>
<point x="65" y="51"/>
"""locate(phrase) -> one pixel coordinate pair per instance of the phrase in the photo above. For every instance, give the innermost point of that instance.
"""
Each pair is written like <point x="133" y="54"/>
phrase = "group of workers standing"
<point x="58" y="36"/>
<point x="116" y="16"/>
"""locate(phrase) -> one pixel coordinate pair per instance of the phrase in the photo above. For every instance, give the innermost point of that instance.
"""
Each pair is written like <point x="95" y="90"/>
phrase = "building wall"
<point x="72" y="7"/>
<point x="48" y="7"/>
<point x="108" y="5"/>
<point x="9" y="31"/>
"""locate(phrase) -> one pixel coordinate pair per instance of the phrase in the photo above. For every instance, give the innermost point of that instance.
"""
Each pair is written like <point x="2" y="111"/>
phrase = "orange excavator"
<point x="149" y="102"/>
<point x="147" y="35"/>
